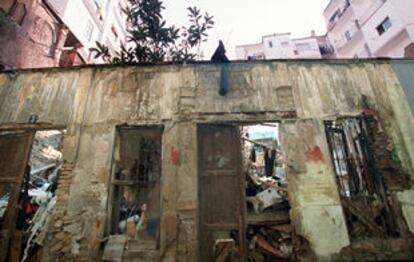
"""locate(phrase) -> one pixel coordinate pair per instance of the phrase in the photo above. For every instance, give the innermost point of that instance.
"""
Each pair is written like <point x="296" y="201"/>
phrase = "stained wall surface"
<point x="91" y="101"/>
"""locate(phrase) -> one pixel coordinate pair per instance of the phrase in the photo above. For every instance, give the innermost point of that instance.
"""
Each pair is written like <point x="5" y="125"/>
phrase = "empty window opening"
<point x="348" y="36"/>
<point x="285" y="44"/>
<point x="301" y="47"/>
<point x="29" y="166"/>
<point x="362" y="164"/>
<point x="18" y="13"/>
<point x="384" y="26"/>
<point x="135" y="197"/>
<point x="114" y="32"/>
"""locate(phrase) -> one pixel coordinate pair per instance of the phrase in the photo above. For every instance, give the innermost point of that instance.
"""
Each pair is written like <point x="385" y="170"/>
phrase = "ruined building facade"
<point x="101" y="106"/>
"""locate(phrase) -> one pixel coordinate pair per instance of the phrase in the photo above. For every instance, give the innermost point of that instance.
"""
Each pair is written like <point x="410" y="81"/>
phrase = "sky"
<point x="239" y="22"/>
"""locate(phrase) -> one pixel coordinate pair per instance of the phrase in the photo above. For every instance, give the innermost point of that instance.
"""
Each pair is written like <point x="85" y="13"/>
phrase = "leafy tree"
<point x="151" y="40"/>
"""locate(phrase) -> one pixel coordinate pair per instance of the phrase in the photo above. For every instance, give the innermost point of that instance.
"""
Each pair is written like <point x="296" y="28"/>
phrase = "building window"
<point x="98" y="9"/>
<point x="270" y="44"/>
<point x="114" y="32"/>
<point x="357" y="24"/>
<point x="19" y="13"/>
<point x="121" y="9"/>
<point x="89" y="30"/>
<point x="384" y="26"/>
<point x="333" y="17"/>
<point x="285" y="44"/>
<point x="348" y="36"/>
<point x="303" y="47"/>
<point x="97" y="4"/>
<point x="367" y="50"/>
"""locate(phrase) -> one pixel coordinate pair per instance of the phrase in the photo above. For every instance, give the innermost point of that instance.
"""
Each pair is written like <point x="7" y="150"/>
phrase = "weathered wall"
<point x="91" y="101"/>
<point x="404" y="70"/>
<point x="316" y="209"/>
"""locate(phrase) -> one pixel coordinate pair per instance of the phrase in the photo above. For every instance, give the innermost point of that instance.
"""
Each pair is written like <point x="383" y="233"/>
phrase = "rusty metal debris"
<point x="369" y="175"/>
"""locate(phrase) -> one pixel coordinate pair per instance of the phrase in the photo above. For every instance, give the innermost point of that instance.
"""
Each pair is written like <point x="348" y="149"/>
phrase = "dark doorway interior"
<point x="135" y="194"/>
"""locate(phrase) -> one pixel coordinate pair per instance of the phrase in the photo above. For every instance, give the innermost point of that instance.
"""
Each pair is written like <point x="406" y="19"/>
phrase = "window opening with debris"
<point x="367" y="177"/>
<point x="244" y="208"/>
<point x="135" y="194"/>
<point x="31" y="160"/>
<point x="269" y="230"/>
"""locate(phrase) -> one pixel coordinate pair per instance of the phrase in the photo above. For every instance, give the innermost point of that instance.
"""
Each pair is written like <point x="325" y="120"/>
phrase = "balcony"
<point x="341" y="12"/>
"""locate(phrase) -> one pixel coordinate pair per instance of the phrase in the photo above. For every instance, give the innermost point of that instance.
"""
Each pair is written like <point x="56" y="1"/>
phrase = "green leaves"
<point x="151" y="40"/>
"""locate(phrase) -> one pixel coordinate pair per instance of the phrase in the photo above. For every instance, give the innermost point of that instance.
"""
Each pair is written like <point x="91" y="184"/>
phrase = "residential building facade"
<point x="282" y="46"/>
<point x="31" y="35"/>
<point x="371" y="28"/>
<point x="92" y="21"/>
<point x="51" y="33"/>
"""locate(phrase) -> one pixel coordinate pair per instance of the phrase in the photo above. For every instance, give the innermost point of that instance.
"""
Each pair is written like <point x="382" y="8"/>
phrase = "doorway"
<point x="244" y="209"/>
<point x="134" y="205"/>
<point x="29" y="165"/>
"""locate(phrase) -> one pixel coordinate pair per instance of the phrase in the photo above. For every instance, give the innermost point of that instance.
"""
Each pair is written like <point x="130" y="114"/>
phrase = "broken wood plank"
<point x="287" y="228"/>
<point x="15" y="246"/>
<point x="360" y="215"/>
<point x="268" y="218"/>
<point x="224" y="250"/>
<point x="114" y="248"/>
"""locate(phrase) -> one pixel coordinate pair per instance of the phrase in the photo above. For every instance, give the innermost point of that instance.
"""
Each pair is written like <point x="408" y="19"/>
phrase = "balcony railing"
<point x="338" y="14"/>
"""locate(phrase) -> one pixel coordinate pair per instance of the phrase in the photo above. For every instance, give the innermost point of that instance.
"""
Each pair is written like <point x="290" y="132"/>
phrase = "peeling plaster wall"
<point x="316" y="209"/>
<point x="91" y="101"/>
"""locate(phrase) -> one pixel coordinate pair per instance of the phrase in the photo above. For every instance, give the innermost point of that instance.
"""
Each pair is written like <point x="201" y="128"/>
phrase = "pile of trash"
<point x="269" y="243"/>
<point x="269" y="232"/>
<point x="37" y="196"/>
<point x="40" y="184"/>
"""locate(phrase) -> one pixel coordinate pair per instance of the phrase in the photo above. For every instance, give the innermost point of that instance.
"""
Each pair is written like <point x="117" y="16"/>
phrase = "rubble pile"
<point x="269" y="231"/>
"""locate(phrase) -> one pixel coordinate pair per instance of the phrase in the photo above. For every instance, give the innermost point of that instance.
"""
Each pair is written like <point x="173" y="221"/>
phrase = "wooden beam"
<point x="9" y="180"/>
<point x="360" y="215"/>
<point x="24" y="126"/>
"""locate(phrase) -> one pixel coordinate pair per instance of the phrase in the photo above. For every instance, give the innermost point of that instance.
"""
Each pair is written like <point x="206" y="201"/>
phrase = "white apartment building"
<point x="282" y="46"/>
<point x="371" y="28"/>
<point x="89" y="21"/>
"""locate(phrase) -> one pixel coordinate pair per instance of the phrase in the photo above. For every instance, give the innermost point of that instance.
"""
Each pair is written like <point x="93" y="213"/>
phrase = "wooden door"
<point x="14" y="155"/>
<point x="221" y="194"/>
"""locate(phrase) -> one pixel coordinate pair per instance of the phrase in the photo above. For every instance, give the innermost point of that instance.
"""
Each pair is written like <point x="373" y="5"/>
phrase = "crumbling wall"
<point x="90" y="102"/>
<point x="316" y="208"/>
<point x="49" y="96"/>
